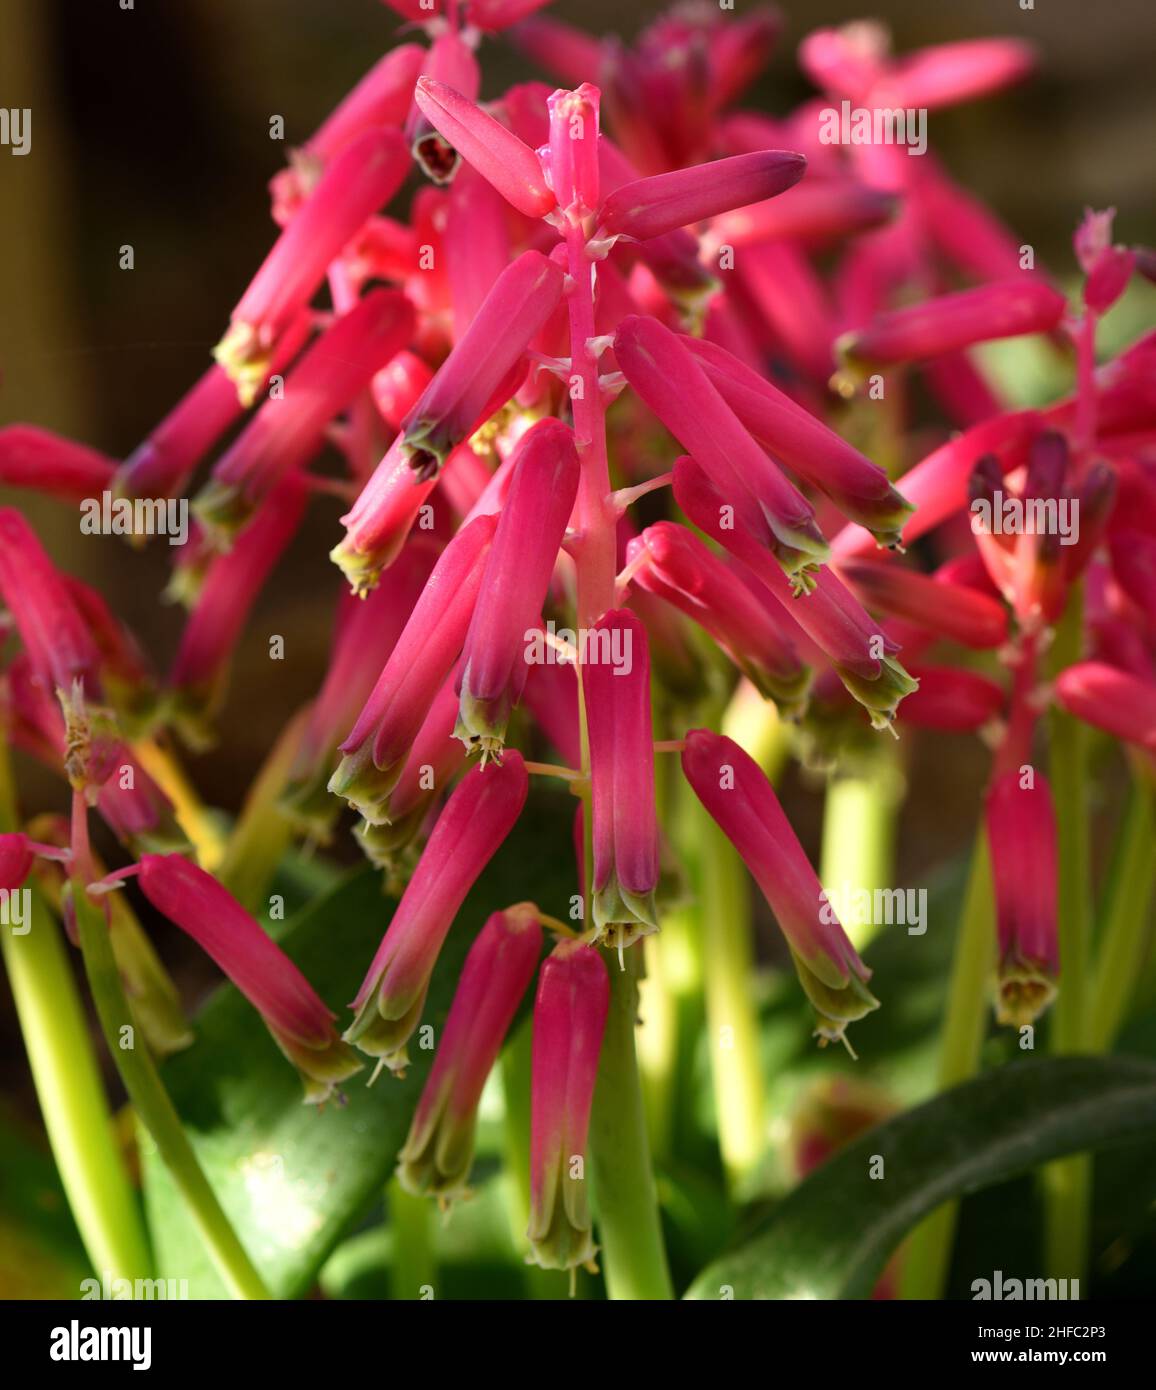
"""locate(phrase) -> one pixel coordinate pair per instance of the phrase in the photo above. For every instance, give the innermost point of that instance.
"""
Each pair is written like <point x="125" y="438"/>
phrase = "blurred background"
<point x="151" y="127"/>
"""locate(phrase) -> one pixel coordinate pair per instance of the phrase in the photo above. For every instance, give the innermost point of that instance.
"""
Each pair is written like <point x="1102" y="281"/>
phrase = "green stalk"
<point x="929" y="1252"/>
<point x="1126" y="920"/>
<point x="633" y="1252"/>
<point x="860" y="812"/>
<point x="152" y="1104"/>
<point x="411" y="1223"/>
<point x="67" y="1080"/>
<point x="1067" y="1183"/>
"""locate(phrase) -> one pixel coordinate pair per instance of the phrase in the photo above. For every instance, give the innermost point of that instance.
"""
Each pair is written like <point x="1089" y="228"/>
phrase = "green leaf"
<point x="832" y="1236"/>
<point x="292" y="1180"/>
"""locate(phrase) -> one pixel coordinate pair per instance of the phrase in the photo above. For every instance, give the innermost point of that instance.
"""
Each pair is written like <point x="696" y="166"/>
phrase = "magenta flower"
<point x="418" y="666"/>
<point x="1021" y="835"/>
<point x="671" y="382"/>
<point x="229" y="590"/>
<point x="362" y="177"/>
<point x="812" y="213"/>
<point x="573" y="151"/>
<point x="731" y="785"/>
<point x="949" y="610"/>
<point x="474" y="822"/>
<point x="1119" y="702"/>
<point x="48" y="463"/>
<point x="570" y="1012"/>
<point x="515" y="581"/>
<point x="439" y="1151"/>
<point x="478" y="376"/>
<point x="679" y="568"/>
<point x="796" y="439"/>
<point x="952" y="700"/>
<point x="953" y="321"/>
<point x="449" y="62"/>
<point x="287" y="431"/>
<point x="300" y="1024"/>
<point x="616" y="688"/>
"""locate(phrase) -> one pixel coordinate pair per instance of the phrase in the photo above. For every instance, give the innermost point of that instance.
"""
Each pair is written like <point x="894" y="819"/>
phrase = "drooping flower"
<point x="616" y="689"/>
<point x="300" y="1024"/>
<point x="48" y="463"/>
<point x="474" y="822"/>
<point x="732" y="787"/>
<point x="439" y="1151"/>
<point x="1021" y="835"/>
<point x="514" y="584"/>
<point x="570" y="1013"/>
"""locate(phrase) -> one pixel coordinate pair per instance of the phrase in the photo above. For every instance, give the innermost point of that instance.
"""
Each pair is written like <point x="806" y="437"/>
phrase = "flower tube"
<point x="49" y="463"/>
<point x="732" y="787"/>
<point x="950" y="610"/>
<point x="1119" y="702"/>
<point x="439" y="1151"/>
<point x="474" y="822"/>
<point x="297" y="1019"/>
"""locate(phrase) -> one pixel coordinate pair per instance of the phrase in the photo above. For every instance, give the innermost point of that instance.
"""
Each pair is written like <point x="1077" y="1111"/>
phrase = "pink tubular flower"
<point x="858" y="487"/>
<point x="673" y="384"/>
<point x="367" y="633"/>
<point x="377" y="525"/>
<point x="48" y="463"/>
<point x="1021" y="834"/>
<point x="229" y="590"/>
<point x="476" y="819"/>
<point x="732" y="787"/>
<point x="450" y="62"/>
<point x="953" y="321"/>
<point x="476" y="379"/>
<point x="952" y="700"/>
<point x="439" y="1150"/>
<point x="862" y="655"/>
<point x="949" y="73"/>
<point x="287" y="431"/>
<point x="363" y="176"/>
<point x="301" y="1025"/>
<point x="679" y="568"/>
<point x="515" y="581"/>
<point x="662" y="203"/>
<point x="961" y="614"/>
<point x="1120" y="703"/>
<point x="570" y="1012"/>
<point x="162" y="465"/>
<point x="419" y="664"/>
<point x="60" y="647"/>
<point x="495" y="152"/>
<point x="573" y="157"/>
<point x="616" y="686"/>
<point x="811" y="213"/>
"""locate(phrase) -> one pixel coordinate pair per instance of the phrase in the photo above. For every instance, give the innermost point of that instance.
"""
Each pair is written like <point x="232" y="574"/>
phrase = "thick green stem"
<point x="633" y="1252"/>
<point x="860" y="812"/>
<point x="928" y="1257"/>
<point x="411" y="1222"/>
<point x="1067" y="1184"/>
<point x="152" y="1104"/>
<point x="1127" y="921"/>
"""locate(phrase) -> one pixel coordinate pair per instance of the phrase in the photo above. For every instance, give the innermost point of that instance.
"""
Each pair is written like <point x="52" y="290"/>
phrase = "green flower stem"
<point x="860" y="814"/>
<point x="928" y="1257"/>
<point x="1126" y="921"/>
<point x="67" y="1080"/>
<point x="1067" y="1183"/>
<point x="153" y="1106"/>
<point x="411" y="1222"/>
<point x="633" y="1252"/>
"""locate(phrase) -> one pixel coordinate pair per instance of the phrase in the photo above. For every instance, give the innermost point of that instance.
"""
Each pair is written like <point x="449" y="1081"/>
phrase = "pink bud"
<point x="949" y="73"/>
<point x="449" y="62"/>
<point x="650" y="207"/>
<point x="1120" y="703"/>
<point x="667" y="376"/>
<point x="476" y="819"/>
<point x="565" y="52"/>
<point x="680" y="569"/>
<point x="949" y="610"/>
<point x="858" y="487"/>
<point x="439" y="1151"/>
<point x="16" y="859"/>
<point x="1021" y="834"/>
<point x="952" y="700"/>
<point x="49" y="463"/>
<point x="478" y="376"/>
<point x="229" y="590"/>
<point x="732" y="787"/>
<point x="1008" y="309"/>
<point x="377" y="525"/>
<point x="491" y="16"/>
<point x="616" y="687"/>
<point x="288" y="430"/>
<point x="812" y="213"/>
<point x="301" y="1025"/>
<point x="573" y="149"/>
<point x="362" y="177"/>
<point x="516" y="579"/>
<point x="419" y="664"/>
<point x="495" y="152"/>
<point x="570" y="1012"/>
<point x="382" y="98"/>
